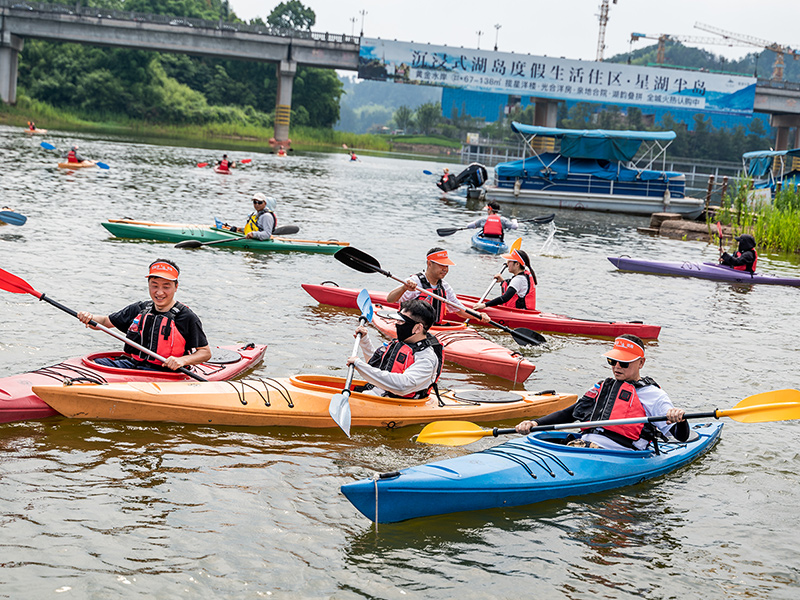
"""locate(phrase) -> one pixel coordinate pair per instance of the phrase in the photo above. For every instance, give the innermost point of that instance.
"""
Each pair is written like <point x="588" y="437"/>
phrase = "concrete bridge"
<point x="85" y="25"/>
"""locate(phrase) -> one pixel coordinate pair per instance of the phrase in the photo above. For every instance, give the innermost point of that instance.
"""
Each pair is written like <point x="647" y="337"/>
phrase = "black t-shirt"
<point x="186" y="321"/>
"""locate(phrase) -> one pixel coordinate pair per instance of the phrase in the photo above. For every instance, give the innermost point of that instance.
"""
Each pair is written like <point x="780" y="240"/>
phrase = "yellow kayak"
<point x="80" y="165"/>
<point x="299" y="401"/>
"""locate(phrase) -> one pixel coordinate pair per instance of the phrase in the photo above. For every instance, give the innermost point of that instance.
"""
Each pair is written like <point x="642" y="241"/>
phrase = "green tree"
<point x="292" y="15"/>
<point x="428" y="116"/>
<point x="403" y="118"/>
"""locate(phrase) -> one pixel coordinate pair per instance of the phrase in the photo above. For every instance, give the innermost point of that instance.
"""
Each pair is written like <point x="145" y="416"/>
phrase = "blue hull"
<point x="488" y="245"/>
<point x="523" y="471"/>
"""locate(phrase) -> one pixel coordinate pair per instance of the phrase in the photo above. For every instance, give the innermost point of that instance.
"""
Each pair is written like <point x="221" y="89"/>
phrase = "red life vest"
<point x="438" y="305"/>
<point x="526" y="303"/>
<point x="224" y="164"/>
<point x="493" y="227"/>
<point x="398" y="356"/>
<point x="72" y="156"/>
<point x="744" y="267"/>
<point x="156" y="332"/>
<point x="618" y="400"/>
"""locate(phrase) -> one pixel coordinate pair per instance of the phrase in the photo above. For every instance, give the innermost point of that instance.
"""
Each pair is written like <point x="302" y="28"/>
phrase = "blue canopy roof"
<point x="761" y="160"/>
<point x="597" y="143"/>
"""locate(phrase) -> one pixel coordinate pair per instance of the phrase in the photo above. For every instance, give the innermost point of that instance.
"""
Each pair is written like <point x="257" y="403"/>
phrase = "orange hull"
<point x="80" y="165"/>
<point x="300" y="401"/>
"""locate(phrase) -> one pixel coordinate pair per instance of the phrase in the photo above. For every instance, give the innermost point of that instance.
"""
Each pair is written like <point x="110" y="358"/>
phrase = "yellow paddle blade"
<point x="778" y="405"/>
<point x="452" y="433"/>
<point x="517" y="244"/>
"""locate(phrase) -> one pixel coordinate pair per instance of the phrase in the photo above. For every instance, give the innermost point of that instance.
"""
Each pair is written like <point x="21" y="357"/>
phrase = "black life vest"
<point x="438" y="306"/>
<point x="613" y="399"/>
<point x="398" y="356"/>
<point x="156" y="331"/>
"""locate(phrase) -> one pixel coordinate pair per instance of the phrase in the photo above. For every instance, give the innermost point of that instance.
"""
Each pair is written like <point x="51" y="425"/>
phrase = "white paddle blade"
<point x="339" y="409"/>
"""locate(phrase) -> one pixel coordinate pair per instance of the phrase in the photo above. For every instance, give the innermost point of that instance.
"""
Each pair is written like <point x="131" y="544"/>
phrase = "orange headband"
<point x="515" y="256"/>
<point x="440" y="258"/>
<point x="163" y="270"/>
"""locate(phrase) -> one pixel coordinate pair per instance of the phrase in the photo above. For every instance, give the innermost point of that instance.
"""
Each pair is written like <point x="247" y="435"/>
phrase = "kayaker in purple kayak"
<point x="626" y="395"/>
<point x="745" y="258"/>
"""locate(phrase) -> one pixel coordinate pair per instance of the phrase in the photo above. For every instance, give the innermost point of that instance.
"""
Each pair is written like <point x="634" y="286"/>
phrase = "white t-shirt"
<point x="419" y="376"/>
<point x="519" y="283"/>
<point x="655" y="402"/>
<point x="448" y="293"/>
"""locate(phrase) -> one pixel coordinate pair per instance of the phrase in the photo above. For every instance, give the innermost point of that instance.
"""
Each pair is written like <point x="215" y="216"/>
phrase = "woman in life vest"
<point x="262" y="222"/>
<point x="161" y="324"/>
<point x="623" y="396"/>
<point x="409" y="365"/>
<point x="519" y="291"/>
<point x="493" y="225"/>
<point x="745" y="258"/>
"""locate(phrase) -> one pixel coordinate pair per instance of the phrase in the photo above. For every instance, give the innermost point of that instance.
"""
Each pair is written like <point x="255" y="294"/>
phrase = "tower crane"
<point x="601" y="38"/>
<point x="688" y="39"/>
<point x="778" y="49"/>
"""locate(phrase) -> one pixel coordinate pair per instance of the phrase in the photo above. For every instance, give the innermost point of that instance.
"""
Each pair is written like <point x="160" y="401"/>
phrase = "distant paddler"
<point x="225" y="165"/>
<point x="493" y="225"/>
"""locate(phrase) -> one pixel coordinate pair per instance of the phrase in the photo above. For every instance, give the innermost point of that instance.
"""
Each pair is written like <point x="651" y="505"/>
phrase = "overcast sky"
<point x="567" y="28"/>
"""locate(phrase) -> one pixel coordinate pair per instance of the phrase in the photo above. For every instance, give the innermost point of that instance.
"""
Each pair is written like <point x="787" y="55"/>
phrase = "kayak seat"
<point x="487" y="396"/>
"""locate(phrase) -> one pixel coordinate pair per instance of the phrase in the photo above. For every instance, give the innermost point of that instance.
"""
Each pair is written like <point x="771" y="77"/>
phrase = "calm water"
<point x="103" y="510"/>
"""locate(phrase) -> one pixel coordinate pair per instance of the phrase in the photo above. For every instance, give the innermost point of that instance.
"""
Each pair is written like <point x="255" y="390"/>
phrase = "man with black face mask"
<point x="409" y="365"/>
<point x="745" y="258"/>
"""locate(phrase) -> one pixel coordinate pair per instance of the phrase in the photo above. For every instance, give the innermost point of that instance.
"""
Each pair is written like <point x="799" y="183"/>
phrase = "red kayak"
<point x="466" y="347"/>
<point x="510" y="317"/>
<point x="19" y="403"/>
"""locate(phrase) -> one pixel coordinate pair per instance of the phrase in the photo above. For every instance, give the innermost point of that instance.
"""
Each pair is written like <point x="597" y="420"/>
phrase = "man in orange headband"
<point x="437" y="266"/>
<point x="625" y="395"/>
<point x="163" y="325"/>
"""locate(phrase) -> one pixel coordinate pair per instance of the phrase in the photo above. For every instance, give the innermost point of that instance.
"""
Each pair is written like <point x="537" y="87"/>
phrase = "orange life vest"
<point x="72" y="156"/>
<point x="493" y="227"/>
<point x="163" y="336"/>
<point x="744" y="267"/>
<point x="526" y="303"/>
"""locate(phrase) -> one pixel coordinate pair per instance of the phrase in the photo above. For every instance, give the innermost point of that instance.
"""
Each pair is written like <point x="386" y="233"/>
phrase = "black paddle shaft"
<point x="117" y="335"/>
<point x="363" y="262"/>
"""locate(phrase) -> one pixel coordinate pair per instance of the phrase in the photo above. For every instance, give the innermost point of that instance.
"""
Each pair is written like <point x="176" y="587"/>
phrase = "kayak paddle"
<point x="363" y="262"/>
<point x="719" y="231"/>
<point x="285" y="230"/>
<point x="12" y="218"/>
<point x="339" y="408"/>
<point x="427" y="172"/>
<point x="47" y="146"/>
<point x="445" y="231"/>
<point x="15" y="285"/>
<point x="785" y="406"/>
<point x="202" y="164"/>
<point x="515" y="246"/>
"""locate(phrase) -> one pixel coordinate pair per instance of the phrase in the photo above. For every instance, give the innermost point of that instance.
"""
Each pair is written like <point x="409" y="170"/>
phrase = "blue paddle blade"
<point x="47" y="146"/>
<point x="13" y="218"/>
<point x="427" y="172"/>
<point x="339" y="409"/>
<point x="365" y="305"/>
<point x="102" y="165"/>
<point x="218" y="224"/>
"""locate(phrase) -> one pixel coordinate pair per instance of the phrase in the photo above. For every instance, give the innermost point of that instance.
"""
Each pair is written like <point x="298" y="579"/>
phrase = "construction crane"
<point x="687" y="39"/>
<point x="779" y="50"/>
<point x="601" y="38"/>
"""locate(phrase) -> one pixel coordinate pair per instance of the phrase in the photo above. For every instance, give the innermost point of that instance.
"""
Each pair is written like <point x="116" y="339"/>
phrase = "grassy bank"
<point x="775" y="226"/>
<point x="219" y="134"/>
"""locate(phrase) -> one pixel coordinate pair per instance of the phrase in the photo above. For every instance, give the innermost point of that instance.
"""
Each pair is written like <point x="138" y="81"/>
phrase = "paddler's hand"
<point x="351" y="360"/>
<point x="175" y="362"/>
<point x="360" y="330"/>
<point x="250" y="236"/>
<point x="675" y="415"/>
<point x="526" y="426"/>
<point x="499" y="278"/>
<point x="478" y="306"/>
<point x="85" y="317"/>
<point x="485" y="318"/>
<point x="410" y="284"/>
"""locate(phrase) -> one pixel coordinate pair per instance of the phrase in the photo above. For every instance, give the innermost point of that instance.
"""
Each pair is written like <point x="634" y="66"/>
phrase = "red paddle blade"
<point x="15" y="285"/>
<point x="246" y="160"/>
<point x="202" y="164"/>
<point x="719" y="229"/>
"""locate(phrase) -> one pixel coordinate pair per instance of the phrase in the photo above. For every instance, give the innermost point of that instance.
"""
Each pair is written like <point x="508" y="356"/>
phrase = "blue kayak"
<point x="488" y="245"/>
<point x="524" y="471"/>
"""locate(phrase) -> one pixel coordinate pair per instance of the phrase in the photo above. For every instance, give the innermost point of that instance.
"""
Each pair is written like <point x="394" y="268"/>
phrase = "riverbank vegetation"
<point x="774" y="225"/>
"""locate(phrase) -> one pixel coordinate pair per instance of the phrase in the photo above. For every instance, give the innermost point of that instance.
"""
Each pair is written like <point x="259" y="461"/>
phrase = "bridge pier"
<point x="783" y="125"/>
<point x="545" y="112"/>
<point x="283" y="101"/>
<point x="10" y="47"/>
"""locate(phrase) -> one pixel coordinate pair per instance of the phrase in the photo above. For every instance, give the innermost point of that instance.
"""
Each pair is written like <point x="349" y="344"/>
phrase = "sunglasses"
<point x="614" y="363"/>
<point x="258" y="202"/>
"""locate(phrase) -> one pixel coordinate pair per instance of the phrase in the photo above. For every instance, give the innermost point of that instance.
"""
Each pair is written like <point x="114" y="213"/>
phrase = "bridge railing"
<point x="45" y="9"/>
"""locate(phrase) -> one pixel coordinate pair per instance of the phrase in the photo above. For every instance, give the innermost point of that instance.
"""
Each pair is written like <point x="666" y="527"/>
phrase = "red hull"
<point x="19" y="403"/>
<point x="510" y="317"/>
<point x="466" y="347"/>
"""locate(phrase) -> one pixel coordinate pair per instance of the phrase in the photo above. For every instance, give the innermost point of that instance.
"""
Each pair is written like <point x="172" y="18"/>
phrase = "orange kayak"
<point x="299" y="401"/>
<point x="466" y="347"/>
<point x="79" y="165"/>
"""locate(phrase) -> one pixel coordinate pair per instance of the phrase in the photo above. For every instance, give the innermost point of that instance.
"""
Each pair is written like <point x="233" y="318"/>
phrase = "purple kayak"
<point x="699" y="270"/>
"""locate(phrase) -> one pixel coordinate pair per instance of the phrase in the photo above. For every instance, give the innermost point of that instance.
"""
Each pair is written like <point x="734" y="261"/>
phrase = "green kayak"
<point x="179" y="232"/>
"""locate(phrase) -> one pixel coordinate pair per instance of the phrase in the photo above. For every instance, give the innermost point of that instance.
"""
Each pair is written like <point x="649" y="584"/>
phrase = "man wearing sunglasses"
<point x="261" y="223"/>
<point x="409" y="365"/>
<point x="625" y="395"/>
